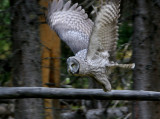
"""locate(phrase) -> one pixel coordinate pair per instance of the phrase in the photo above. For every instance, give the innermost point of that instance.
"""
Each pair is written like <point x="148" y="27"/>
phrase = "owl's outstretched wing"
<point x="104" y="36"/>
<point x="71" y="23"/>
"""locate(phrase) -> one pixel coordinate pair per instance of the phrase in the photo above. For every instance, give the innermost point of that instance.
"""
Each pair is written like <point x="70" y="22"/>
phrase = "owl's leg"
<point x="106" y="89"/>
<point x="104" y="82"/>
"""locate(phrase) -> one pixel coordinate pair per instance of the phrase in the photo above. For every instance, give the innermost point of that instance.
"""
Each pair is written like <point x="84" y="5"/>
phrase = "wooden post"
<point x="50" y="63"/>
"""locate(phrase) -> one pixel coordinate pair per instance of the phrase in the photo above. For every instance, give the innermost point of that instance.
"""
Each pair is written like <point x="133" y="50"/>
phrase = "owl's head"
<point x="73" y="66"/>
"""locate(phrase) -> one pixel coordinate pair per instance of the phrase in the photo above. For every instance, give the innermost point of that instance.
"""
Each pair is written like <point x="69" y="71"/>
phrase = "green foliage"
<point x="5" y="43"/>
<point x="4" y="28"/>
<point x="122" y="78"/>
<point x="125" y="32"/>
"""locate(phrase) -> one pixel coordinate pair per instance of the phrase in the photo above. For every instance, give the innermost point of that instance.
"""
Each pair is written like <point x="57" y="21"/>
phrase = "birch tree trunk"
<point x="146" y="55"/>
<point x="27" y="58"/>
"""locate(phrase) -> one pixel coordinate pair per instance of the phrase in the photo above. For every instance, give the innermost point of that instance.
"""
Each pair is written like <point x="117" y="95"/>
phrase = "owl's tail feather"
<point x="128" y="66"/>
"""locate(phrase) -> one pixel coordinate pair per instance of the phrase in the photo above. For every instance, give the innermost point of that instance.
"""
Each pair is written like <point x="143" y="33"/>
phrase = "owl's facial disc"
<point x="73" y="66"/>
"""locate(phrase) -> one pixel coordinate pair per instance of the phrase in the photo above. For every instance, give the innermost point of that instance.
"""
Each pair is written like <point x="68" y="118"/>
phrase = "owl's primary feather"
<point x="71" y="23"/>
<point x="104" y="36"/>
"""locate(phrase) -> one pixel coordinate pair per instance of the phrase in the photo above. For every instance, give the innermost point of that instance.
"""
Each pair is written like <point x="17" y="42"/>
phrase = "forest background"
<point x="27" y="58"/>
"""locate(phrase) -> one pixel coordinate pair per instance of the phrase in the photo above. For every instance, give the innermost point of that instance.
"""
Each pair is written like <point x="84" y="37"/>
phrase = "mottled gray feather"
<point x="59" y="5"/>
<point x="74" y="6"/>
<point x="66" y="6"/>
<point x="105" y="32"/>
<point x="71" y="23"/>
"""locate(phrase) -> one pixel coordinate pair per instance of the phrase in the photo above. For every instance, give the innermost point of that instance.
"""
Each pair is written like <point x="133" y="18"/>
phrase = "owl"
<point x="93" y="43"/>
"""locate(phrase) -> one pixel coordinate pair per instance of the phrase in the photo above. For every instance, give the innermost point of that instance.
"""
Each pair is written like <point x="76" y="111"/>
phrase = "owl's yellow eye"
<point x="72" y="65"/>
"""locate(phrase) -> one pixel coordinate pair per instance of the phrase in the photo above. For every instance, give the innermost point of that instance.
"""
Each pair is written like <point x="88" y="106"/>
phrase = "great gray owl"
<point x="92" y="42"/>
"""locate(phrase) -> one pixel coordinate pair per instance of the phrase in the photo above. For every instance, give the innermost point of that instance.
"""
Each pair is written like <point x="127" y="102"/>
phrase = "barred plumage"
<point x="92" y="43"/>
<point x="71" y="24"/>
<point x="105" y="32"/>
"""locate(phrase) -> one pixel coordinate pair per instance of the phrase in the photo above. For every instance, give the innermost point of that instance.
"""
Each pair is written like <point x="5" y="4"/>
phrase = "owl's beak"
<point x="69" y="71"/>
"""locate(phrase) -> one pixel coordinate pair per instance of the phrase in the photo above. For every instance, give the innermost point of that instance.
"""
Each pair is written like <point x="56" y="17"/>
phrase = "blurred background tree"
<point x="26" y="58"/>
<point x="146" y="55"/>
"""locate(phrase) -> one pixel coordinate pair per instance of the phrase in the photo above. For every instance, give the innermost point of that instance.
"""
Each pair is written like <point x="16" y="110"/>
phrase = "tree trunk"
<point x="50" y="66"/>
<point x="27" y="58"/>
<point x="146" y="55"/>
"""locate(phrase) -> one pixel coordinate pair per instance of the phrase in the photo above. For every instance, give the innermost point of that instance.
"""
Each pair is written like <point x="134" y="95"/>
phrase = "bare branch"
<point x="88" y="94"/>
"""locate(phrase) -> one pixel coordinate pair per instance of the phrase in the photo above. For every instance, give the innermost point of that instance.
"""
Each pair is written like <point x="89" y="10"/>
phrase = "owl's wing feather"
<point x="71" y="23"/>
<point x="105" y="31"/>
